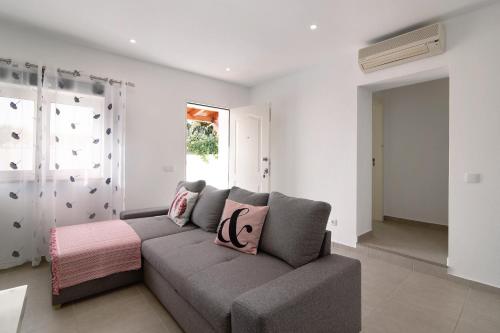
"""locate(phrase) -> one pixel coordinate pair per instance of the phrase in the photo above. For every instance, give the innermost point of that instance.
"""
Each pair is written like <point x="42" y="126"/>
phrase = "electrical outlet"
<point x="168" y="168"/>
<point x="333" y="222"/>
<point x="472" y="178"/>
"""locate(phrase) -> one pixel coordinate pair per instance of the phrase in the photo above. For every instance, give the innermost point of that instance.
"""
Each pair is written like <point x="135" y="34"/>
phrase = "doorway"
<point x="207" y="144"/>
<point x="409" y="141"/>
<point x="229" y="147"/>
<point x="250" y="165"/>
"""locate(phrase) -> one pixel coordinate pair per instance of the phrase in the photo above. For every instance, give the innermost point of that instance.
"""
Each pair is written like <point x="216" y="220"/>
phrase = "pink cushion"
<point x="241" y="226"/>
<point x="182" y="206"/>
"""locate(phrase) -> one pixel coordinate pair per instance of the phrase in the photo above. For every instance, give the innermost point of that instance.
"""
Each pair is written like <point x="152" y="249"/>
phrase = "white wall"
<point x="416" y="151"/>
<point x="156" y="107"/>
<point x="314" y="138"/>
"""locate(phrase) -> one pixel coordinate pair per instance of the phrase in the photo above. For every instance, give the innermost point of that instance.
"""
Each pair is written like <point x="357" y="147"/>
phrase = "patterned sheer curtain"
<point x="61" y="159"/>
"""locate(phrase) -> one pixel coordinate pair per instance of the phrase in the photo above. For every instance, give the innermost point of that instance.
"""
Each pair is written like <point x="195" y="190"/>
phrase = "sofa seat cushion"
<point x="208" y="276"/>
<point x="177" y="257"/>
<point x="212" y="291"/>
<point x="157" y="226"/>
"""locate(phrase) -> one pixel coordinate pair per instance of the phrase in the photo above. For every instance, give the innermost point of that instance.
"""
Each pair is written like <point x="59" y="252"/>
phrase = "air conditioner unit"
<point x="421" y="43"/>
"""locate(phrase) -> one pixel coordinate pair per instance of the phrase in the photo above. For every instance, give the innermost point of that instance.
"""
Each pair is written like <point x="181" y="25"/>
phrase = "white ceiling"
<point x="257" y="39"/>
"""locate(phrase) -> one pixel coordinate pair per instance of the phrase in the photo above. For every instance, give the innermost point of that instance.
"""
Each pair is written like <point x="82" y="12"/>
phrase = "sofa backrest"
<point x="246" y="197"/>
<point x="294" y="229"/>
<point x="208" y="209"/>
<point x="326" y="246"/>
<point x="196" y="186"/>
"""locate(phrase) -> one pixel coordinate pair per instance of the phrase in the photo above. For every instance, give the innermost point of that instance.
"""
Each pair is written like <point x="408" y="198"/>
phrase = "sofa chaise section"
<point x="157" y="226"/>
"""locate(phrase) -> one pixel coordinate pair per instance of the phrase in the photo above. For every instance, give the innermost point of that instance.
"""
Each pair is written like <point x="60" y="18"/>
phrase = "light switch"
<point x="472" y="178"/>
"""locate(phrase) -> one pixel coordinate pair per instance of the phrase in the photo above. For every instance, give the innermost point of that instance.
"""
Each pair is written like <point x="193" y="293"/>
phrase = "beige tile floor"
<point x="131" y="309"/>
<point x="416" y="240"/>
<point x="398" y="298"/>
<point x="395" y="298"/>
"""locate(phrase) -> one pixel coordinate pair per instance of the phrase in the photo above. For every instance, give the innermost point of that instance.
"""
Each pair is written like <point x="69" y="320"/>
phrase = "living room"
<point x="93" y="114"/>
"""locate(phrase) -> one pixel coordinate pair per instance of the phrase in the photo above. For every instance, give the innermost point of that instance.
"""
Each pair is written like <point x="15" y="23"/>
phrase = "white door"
<point x="378" y="161"/>
<point x="249" y="164"/>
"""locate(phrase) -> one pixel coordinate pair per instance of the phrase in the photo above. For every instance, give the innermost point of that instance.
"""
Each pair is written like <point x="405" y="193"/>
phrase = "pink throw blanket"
<point x="90" y="251"/>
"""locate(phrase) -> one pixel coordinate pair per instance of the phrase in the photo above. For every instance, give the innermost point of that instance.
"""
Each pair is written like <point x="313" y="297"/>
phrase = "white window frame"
<point x="15" y="91"/>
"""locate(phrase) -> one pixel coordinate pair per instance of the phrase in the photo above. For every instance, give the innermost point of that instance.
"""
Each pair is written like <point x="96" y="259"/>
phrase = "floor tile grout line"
<point x="446" y="276"/>
<point x="151" y="307"/>
<point x="398" y="288"/>
<point x="77" y="330"/>
<point x="392" y="293"/>
<point x="462" y="309"/>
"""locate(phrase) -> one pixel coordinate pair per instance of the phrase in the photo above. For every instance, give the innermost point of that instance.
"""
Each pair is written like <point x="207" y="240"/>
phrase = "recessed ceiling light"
<point x="228" y="69"/>
<point x="313" y="27"/>
<point x="132" y="41"/>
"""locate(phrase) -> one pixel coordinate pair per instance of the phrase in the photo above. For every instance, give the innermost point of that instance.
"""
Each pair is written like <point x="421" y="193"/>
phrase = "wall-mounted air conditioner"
<point x="421" y="43"/>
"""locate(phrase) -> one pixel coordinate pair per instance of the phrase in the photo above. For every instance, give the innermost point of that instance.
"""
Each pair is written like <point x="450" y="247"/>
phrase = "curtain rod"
<point x="94" y="77"/>
<point x="74" y="73"/>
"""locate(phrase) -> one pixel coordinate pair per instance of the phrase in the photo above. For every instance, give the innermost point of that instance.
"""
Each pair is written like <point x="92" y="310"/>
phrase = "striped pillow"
<point x="182" y="206"/>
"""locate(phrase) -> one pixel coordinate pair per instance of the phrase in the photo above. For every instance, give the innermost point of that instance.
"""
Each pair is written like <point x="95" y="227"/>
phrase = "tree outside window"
<point x="202" y="139"/>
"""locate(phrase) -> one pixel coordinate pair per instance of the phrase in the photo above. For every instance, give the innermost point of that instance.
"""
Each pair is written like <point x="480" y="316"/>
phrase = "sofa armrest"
<point x="322" y="296"/>
<point x="144" y="212"/>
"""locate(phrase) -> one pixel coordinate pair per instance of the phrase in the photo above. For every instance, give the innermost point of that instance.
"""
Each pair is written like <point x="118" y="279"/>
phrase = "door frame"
<point x="365" y="137"/>
<point x="208" y="107"/>
<point x="378" y="160"/>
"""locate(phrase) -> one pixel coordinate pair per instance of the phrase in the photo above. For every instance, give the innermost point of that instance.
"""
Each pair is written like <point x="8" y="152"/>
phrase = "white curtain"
<point x="61" y="155"/>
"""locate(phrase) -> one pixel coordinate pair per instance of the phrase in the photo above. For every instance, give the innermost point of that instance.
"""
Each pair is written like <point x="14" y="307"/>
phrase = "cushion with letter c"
<point x="241" y="226"/>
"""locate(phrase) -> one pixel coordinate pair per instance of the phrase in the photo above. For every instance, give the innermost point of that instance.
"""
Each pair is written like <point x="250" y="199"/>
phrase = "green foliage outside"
<point x="202" y="139"/>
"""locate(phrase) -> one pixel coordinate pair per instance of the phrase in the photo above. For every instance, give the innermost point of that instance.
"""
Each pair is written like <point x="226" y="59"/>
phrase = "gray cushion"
<point x="176" y="257"/>
<point x="246" y="197"/>
<point x="294" y="228"/>
<point x="212" y="291"/>
<point x="208" y="210"/>
<point x="207" y="275"/>
<point x="196" y="186"/>
<point x="158" y="226"/>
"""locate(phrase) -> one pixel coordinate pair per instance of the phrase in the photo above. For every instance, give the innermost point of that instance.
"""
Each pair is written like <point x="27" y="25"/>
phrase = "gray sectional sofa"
<point x="293" y="284"/>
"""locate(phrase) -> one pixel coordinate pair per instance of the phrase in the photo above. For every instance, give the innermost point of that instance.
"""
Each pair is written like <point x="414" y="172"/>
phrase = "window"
<point x="75" y="146"/>
<point x="17" y="131"/>
<point x="76" y="136"/>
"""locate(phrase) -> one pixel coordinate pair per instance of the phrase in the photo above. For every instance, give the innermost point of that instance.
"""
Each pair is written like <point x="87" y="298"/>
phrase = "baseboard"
<point x="364" y="236"/>
<point x="416" y="265"/>
<point x="415" y="222"/>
